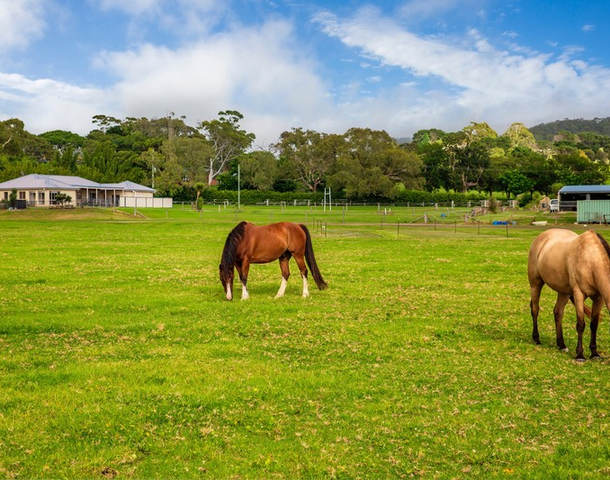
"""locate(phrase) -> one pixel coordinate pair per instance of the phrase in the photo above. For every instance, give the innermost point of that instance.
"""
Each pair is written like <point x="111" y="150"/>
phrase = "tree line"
<point x="183" y="161"/>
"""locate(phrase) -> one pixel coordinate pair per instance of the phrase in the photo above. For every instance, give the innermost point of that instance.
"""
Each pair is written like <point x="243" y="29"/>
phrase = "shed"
<point x="570" y="194"/>
<point x="593" y="211"/>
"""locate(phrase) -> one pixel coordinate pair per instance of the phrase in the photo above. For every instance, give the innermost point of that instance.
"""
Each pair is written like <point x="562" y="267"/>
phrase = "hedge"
<point x="412" y="197"/>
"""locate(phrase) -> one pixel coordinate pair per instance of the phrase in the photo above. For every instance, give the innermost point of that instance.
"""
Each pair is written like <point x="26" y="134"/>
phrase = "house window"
<point x="52" y="197"/>
<point x="6" y="195"/>
<point x="21" y="195"/>
<point x="41" y="198"/>
<point x="32" y="200"/>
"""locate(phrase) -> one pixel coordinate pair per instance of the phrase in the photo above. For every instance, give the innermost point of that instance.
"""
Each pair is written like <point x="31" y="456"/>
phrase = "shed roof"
<point x="585" y="189"/>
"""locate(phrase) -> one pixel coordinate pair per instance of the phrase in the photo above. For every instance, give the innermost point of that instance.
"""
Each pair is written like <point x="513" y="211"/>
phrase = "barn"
<point x="36" y="190"/>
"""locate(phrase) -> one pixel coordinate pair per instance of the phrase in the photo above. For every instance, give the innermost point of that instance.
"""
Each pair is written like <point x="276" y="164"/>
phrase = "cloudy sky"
<point x="322" y="65"/>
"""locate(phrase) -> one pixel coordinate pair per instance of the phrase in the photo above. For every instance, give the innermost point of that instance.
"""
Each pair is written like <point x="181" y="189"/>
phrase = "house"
<point x="571" y="194"/>
<point x="38" y="190"/>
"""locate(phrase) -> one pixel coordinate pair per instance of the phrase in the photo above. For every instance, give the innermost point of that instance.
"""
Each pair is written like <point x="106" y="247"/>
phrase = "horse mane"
<point x="604" y="244"/>
<point x="227" y="261"/>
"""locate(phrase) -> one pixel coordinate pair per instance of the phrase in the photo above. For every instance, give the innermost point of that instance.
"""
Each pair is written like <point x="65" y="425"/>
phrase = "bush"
<point x="253" y="197"/>
<point x="418" y="196"/>
<point x="525" y="199"/>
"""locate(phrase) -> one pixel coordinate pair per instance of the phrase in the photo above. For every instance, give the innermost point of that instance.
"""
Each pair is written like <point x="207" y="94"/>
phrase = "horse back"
<point x="266" y="243"/>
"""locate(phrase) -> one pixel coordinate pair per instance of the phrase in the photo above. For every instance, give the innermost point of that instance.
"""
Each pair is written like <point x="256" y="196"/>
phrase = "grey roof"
<point x="127" y="185"/>
<point x="585" y="189"/>
<point x="37" y="181"/>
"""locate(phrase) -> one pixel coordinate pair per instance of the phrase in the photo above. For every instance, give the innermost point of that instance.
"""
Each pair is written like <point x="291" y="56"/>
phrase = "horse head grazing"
<point x="228" y="258"/>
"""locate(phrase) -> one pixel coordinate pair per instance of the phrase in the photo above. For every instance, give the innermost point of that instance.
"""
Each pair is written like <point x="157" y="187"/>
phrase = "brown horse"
<point x="248" y="243"/>
<point x="577" y="267"/>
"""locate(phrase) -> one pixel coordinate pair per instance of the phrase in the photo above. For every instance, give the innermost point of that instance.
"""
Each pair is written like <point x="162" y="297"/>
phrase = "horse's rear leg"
<point x="535" y="290"/>
<point x="285" y="267"/>
<point x="560" y="306"/>
<point x="303" y="269"/>
<point x="596" y="311"/>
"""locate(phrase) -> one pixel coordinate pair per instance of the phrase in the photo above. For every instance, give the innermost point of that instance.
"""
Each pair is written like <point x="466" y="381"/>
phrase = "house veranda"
<point x="36" y="190"/>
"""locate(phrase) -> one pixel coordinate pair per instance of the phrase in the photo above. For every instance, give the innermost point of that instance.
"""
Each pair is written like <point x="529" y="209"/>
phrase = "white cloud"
<point x="21" y="22"/>
<point x="257" y="71"/>
<point x="479" y="82"/>
<point x="42" y="102"/>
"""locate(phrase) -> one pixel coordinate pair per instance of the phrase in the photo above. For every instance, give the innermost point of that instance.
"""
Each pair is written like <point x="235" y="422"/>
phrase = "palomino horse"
<point x="577" y="267"/>
<point x="248" y="243"/>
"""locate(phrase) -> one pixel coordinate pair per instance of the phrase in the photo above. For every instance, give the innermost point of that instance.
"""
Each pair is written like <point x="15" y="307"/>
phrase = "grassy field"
<point x="120" y="357"/>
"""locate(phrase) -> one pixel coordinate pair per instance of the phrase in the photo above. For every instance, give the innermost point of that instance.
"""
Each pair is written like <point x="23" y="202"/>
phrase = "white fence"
<point x="146" y="202"/>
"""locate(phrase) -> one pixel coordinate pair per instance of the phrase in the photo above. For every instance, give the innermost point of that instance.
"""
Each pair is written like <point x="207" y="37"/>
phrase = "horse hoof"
<point x="565" y="349"/>
<point x="580" y="359"/>
<point x="597" y="356"/>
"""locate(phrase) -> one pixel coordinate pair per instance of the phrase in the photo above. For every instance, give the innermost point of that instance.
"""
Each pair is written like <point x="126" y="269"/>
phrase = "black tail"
<point x="311" y="261"/>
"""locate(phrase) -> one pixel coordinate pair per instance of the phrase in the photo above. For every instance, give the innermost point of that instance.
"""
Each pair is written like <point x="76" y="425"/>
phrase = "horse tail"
<point x="586" y="308"/>
<point x="311" y="260"/>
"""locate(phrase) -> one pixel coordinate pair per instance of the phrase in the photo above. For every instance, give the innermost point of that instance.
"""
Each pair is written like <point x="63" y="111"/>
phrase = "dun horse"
<point x="577" y="267"/>
<point x="248" y="243"/>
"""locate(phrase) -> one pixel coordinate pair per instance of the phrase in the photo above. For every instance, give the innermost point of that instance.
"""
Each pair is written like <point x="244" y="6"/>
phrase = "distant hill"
<point x="546" y="131"/>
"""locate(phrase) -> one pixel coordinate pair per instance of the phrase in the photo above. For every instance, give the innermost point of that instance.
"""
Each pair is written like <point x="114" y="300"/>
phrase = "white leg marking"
<point x="280" y="292"/>
<point x="244" y="292"/>
<point x="305" y="287"/>
<point x="229" y="293"/>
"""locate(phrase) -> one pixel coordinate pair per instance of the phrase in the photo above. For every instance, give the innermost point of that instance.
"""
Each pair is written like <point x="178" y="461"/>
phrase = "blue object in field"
<point x="499" y="222"/>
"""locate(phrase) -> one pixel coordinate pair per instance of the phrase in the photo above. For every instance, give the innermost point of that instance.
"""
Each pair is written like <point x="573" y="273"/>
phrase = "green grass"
<point x="119" y="355"/>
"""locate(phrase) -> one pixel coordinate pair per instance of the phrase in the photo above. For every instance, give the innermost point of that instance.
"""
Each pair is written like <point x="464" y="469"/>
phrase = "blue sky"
<point x="321" y="65"/>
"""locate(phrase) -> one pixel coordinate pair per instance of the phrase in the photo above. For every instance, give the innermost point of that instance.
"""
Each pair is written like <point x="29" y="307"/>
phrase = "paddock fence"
<point x="146" y="202"/>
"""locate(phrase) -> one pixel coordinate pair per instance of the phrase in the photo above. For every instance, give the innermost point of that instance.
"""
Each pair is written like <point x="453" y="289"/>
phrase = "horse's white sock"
<point x="305" y="287"/>
<point x="280" y="292"/>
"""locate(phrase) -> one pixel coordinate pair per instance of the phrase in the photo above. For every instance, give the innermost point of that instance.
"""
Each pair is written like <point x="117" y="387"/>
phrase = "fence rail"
<point x="146" y="202"/>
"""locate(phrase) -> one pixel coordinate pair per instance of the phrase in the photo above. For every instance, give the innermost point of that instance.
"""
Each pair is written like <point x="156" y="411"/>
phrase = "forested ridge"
<point x="191" y="162"/>
<point x="577" y="126"/>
